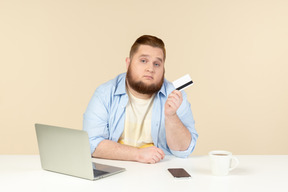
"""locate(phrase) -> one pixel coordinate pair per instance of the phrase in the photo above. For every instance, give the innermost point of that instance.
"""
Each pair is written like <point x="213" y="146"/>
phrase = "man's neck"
<point x="137" y="94"/>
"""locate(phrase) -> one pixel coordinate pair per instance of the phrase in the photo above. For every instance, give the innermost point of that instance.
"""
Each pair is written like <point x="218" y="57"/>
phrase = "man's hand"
<point x="173" y="102"/>
<point x="150" y="155"/>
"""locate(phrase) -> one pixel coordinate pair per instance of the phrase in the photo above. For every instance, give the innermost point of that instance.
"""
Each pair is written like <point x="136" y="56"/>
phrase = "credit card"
<point x="183" y="82"/>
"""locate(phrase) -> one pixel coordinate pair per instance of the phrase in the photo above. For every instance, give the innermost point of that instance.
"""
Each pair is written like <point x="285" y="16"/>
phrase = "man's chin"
<point x="147" y="88"/>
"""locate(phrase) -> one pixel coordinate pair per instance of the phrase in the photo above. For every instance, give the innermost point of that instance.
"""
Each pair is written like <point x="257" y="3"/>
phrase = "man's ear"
<point x="127" y="62"/>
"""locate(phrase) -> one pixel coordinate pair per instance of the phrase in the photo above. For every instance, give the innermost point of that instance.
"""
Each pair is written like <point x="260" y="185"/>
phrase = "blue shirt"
<point x="104" y="118"/>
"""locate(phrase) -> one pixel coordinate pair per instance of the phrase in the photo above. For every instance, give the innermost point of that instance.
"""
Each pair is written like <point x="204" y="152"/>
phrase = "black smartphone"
<point x="179" y="173"/>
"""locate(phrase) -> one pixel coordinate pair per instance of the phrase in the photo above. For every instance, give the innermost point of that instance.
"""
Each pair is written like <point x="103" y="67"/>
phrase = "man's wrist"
<point x="171" y="116"/>
<point x="137" y="155"/>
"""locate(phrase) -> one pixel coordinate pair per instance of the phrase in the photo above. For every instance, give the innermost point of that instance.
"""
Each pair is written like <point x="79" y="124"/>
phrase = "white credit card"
<point x="183" y="82"/>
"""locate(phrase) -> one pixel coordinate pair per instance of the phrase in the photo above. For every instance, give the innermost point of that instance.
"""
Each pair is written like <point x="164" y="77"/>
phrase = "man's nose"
<point x="150" y="67"/>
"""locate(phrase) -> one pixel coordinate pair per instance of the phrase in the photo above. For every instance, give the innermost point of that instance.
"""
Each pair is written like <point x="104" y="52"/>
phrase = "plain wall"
<point x="53" y="55"/>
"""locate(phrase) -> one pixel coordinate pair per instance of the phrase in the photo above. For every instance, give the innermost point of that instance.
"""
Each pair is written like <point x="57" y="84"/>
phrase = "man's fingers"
<point x="161" y="153"/>
<point x="152" y="155"/>
<point x="178" y="93"/>
<point x="171" y="103"/>
<point x="174" y="98"/>
<point x="156" y="158"/>
<point x="159" y="156"/>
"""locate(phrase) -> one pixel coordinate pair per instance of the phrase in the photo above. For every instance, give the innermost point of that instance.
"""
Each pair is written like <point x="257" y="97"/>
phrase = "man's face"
<point x="145" y="73"/>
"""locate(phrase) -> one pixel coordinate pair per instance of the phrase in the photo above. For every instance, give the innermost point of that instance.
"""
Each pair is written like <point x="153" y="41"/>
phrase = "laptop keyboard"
<point x="98" y="172"/>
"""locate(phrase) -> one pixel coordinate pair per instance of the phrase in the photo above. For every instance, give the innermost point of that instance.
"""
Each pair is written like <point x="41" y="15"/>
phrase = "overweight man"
<point x="139" y="116"/>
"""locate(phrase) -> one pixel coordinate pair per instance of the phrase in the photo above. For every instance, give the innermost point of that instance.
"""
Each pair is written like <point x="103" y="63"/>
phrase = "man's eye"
<point x="143" y="60"/>
<point x="157" y="64"/>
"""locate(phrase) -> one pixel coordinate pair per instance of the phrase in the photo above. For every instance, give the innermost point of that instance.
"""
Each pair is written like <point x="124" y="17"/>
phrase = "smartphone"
<point x="179" y="173"/>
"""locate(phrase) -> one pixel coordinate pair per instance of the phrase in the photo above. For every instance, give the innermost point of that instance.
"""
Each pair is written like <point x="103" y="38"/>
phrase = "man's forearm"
<point x="177" y="135"/>
<point x="111" y="150"/>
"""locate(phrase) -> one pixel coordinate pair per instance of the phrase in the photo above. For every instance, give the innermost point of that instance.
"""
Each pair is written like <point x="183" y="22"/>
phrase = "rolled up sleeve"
<point x="186" y="153"/>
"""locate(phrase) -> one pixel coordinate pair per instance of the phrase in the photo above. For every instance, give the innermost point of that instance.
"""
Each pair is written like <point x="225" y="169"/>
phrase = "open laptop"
<point x="67" y="151"/>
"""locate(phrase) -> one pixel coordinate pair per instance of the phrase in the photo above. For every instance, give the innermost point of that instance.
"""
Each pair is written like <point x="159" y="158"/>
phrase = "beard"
<point x="140" y="86"/>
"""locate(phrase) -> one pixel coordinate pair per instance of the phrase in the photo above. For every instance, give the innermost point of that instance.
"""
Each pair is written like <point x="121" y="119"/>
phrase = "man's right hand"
<point x="150" y="155"/>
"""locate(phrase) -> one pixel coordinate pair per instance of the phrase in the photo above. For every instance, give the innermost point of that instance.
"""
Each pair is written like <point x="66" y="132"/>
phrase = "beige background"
<point x="53" y="55"/>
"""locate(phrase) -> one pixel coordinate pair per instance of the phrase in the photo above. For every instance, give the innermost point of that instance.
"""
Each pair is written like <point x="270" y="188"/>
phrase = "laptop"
<point x="67" y="151"/>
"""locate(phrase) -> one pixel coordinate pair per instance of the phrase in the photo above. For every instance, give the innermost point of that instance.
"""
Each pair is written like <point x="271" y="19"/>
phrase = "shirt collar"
<point x="121" y="85"/>
<point x="163" y="88"/>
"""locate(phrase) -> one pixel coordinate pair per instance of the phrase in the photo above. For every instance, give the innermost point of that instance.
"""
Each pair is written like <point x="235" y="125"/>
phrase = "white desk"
<point x="255" y="173"/>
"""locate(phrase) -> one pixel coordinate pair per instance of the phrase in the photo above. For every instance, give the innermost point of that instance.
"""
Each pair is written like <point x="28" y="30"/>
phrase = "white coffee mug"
<point x="221" y="162"/>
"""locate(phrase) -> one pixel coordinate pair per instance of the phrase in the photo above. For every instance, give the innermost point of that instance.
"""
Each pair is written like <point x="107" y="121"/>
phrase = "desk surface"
<point x="254" y="173"/>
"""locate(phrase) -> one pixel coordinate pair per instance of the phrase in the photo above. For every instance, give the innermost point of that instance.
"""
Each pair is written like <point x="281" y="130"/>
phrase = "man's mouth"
<point x="148" y="77"/>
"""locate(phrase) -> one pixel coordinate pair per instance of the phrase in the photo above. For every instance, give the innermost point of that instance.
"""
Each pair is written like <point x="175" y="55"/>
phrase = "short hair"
<point x="148" y="40"/>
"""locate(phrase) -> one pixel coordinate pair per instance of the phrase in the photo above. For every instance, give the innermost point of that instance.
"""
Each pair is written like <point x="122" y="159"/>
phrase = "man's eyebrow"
<point x="159" y="59"/>
<point x="143" y="55"/>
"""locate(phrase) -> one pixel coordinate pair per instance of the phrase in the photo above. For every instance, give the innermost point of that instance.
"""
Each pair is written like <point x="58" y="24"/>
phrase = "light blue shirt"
<point x="104" y="118"/>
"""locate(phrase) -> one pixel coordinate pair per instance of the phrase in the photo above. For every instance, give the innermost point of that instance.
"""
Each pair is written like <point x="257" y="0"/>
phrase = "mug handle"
<point x="236" y="163"/>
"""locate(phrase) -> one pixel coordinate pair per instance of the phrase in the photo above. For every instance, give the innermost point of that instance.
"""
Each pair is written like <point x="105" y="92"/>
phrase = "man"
<point x="139" y="116"/>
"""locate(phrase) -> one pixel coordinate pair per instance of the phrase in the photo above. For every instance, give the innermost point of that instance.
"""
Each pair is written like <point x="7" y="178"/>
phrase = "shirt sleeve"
<point x="185" y="114"/>
<point x="95" y="120"/>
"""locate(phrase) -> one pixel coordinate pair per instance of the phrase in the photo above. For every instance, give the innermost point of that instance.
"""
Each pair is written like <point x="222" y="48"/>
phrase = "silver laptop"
<point x="67" y="151"/>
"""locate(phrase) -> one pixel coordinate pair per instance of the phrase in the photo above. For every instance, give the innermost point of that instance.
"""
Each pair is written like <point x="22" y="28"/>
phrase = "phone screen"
<point x="179" y="172"/>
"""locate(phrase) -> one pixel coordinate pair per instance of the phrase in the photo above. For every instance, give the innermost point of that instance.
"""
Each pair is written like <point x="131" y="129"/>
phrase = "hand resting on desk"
<point x="112" y="150"/>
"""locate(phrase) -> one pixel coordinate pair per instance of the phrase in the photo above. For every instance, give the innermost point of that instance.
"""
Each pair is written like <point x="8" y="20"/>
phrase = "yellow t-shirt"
<point x="137" y="129"/>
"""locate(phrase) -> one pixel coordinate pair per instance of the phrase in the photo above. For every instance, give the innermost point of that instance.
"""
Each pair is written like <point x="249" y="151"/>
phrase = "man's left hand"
<point x="173" y="102"/>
